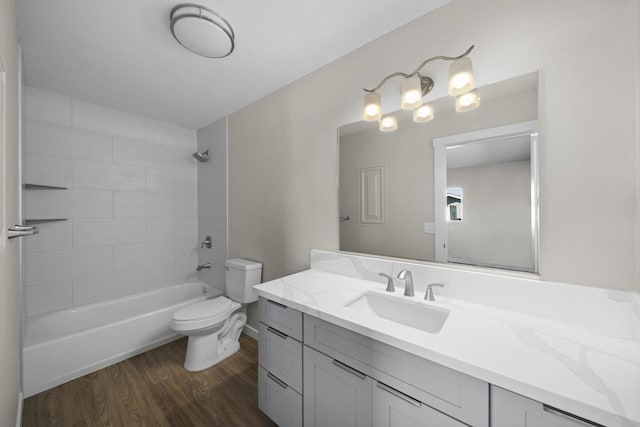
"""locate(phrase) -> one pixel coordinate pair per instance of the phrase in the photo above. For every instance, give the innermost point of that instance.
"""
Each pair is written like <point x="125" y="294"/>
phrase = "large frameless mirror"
<point x="461" y="188"/>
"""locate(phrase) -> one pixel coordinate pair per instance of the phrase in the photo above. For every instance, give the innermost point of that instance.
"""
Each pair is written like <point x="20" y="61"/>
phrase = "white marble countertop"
<point x="584" y="372"/>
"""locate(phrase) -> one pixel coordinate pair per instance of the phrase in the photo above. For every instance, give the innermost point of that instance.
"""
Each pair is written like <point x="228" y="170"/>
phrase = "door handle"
<point x="22" y="230"/>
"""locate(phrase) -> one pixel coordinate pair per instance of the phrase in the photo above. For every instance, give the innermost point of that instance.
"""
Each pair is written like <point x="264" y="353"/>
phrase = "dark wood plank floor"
<point x="153" y="389"/>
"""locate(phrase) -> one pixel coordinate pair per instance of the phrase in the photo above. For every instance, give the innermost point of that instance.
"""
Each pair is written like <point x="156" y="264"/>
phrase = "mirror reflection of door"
<point x="496" y="170"/>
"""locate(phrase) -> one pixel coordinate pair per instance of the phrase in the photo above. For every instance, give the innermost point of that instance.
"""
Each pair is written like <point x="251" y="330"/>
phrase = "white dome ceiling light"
<point x="202" y="30"/>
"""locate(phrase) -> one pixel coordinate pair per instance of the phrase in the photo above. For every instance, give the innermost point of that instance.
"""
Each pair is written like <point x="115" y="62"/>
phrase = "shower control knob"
<point x="207" y="242"/>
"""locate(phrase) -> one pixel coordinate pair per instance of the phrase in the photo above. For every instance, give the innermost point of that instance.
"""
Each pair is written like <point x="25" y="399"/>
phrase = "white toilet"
<point x="214" y="325"/>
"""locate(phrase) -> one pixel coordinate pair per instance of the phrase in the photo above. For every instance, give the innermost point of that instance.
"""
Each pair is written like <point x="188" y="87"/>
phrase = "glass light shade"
<point x="461" y="77"/>
<point x="423" y="113"/>
<point x="388" y="123"/>
<point x="202" y="30"/>
<point x="372" y="107"/>
<point x="411" y="93"/>
<point x="468" y="101"/>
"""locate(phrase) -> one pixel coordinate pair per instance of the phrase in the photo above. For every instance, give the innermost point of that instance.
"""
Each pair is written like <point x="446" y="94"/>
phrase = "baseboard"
<point x="19" y="412"/>
<point x="250" y="331"/>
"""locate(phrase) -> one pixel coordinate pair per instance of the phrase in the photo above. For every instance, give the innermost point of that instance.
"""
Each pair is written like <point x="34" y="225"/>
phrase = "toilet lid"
<point x="204" y="309"/>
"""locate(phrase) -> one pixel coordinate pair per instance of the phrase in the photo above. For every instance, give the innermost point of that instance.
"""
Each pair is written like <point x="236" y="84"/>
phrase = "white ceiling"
<point x="513" y="149"/>
<point x="120" y="53"/>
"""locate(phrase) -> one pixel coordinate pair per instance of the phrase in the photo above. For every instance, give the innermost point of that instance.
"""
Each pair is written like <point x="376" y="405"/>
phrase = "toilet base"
<point x="204" y="351"/>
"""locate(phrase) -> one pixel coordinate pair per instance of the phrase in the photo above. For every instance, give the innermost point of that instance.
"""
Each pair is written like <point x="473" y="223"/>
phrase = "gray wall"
<point x="407" y="155"/>
<point x="9" y="264"/>
<point x="283" y="156"/>
<point x="496" y="222"/>
<point x="212" y="202"/>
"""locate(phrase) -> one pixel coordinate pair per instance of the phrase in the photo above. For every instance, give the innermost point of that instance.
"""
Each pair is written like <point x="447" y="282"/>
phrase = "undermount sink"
<point x="409" y="313"/>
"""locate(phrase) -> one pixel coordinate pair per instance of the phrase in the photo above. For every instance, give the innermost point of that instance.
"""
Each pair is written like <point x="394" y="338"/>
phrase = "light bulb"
<point x="468" y="101"/>
<point x="461" y="77"/>
<point x="411" y="93"/>
<point x="388" y="123"/>
<point x="423" y="113"/>
<point x="372" y="107"/>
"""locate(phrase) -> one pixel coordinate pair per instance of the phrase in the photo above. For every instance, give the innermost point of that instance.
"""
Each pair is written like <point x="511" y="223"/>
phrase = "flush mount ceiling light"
<point x="415" y="87"/>
<point x="202" y="30"/>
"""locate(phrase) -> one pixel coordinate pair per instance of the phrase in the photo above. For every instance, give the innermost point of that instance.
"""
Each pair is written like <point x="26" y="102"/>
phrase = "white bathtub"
<point x="67" y="344"/>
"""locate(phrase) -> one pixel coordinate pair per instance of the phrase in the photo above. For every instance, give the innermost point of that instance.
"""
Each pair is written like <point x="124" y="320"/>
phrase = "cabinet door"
<point x="512" y="410"/>
<point x="334" y="393"/>
<point x="392" y="408"/>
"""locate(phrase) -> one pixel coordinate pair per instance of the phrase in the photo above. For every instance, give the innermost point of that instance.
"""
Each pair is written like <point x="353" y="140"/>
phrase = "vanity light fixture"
<point x="423" y="113"/>
<point x="467" y="101"/>
<point x="461" y="78"/>
<point x="388" y="123"/>
<point x="416" y="86"/>
<point x="372" y="107"/>
<point x="202" y="30"/>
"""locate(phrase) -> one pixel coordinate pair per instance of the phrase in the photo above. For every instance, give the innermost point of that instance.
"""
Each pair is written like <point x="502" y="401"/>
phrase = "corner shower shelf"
<point x="43" y="221"/>
<point x="42" y="187"/>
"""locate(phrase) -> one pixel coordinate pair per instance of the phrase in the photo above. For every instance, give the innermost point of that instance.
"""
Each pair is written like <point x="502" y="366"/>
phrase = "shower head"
<point x="202" y="157"/>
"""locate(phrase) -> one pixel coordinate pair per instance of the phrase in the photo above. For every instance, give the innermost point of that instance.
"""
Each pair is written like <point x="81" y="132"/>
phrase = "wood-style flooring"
<point x="153" y="389"/>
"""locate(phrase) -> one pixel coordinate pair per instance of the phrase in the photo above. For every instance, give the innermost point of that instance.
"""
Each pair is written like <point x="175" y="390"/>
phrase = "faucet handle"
<point x="390" y="287"/>
<point x="429" y="296"/>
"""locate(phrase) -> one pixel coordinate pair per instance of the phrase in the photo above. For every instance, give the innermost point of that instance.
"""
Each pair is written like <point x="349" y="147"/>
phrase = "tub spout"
<point x="204" y="266"/>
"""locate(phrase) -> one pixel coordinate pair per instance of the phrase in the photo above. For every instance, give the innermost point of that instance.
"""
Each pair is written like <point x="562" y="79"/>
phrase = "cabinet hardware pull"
<point x="277" y="303"/>
<point x="566" y="415"/>
<point x="399" y="394"/>
<point x="277" y="381"/>
<point x="349" y="369"/>
<point x="277" y="332"/>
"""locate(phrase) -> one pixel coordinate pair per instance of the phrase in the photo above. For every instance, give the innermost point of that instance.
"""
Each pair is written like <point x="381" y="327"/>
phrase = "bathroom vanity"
<point x="337" y="349"/>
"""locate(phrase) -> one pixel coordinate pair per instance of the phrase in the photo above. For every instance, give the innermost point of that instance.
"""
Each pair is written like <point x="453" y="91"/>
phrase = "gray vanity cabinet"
<point x="513" y="410"/>
<point x="313" y="373"/>
<point x="335" y="394"/>
<point x="403" y="386"/>
<point x="280" y="363"/>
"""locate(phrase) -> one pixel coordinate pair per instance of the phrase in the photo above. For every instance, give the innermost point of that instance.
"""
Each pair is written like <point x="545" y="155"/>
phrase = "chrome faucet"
<point x="390" y="287"/>
<point x="408" y="283"/>
<point x="205" y="266"/>
<point x="429" y="296"/>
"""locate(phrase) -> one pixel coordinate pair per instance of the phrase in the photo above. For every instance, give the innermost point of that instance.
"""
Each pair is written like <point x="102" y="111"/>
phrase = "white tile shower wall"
<point x="211" y="203"/>
<point x="131" y="202"/>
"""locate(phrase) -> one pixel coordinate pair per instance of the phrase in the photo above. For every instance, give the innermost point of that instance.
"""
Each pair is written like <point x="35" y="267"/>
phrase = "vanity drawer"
<point x="458" y="395"/>
<point x="509" y="409"/>
<point x="281" y="403"/>
<point x="281" y="355"/>
<point x="392" y="408"/>
<point x="281" y="317"/>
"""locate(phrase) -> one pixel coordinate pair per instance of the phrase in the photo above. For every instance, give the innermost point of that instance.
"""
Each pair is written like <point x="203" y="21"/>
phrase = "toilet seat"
<point x="203" y="314"/>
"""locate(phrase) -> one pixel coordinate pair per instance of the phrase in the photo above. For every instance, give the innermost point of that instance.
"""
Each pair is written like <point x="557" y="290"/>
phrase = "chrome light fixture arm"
<point x="417" y="70"/>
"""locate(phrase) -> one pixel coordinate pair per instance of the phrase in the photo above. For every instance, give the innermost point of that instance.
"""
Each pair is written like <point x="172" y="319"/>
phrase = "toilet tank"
<point x="240" y="277"/>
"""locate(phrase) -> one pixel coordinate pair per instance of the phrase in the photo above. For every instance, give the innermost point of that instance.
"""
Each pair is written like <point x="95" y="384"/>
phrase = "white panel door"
<point x="372" y="184"/>
<point x="9" y="261"/>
